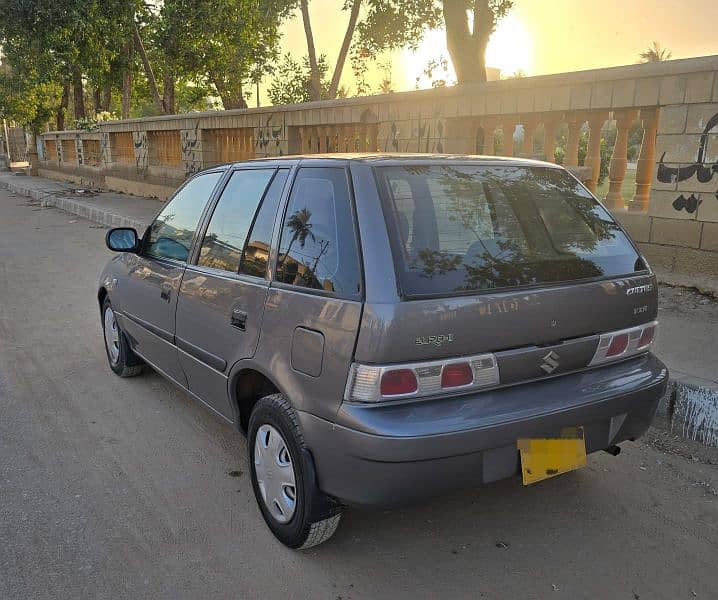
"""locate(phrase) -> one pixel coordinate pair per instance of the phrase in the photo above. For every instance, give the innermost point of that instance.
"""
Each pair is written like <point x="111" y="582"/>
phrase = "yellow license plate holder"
<point x="542" y="458"/>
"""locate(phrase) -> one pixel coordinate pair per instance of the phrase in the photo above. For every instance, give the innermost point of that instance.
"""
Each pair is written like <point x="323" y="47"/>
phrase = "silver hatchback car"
<point x="388" y="327"/>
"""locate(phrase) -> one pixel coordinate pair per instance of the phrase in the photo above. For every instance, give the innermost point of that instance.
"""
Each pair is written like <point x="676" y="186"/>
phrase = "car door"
<point x="314" y="305"/>
<point x="149" y="290"/>
<point x="222" y="295"/>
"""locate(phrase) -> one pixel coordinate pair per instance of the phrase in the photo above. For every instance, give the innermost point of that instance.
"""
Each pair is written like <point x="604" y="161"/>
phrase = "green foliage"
<point x="29" y="102"/>
<point x="291" y="81"/>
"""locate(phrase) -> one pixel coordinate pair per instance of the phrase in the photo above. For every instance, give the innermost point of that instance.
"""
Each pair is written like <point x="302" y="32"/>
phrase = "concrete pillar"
<point x="593" y="152"/>
<point x="461" y="135"/>
<point x="530" y="122"/>
<point x="508" y="125"/>
<point x="551" y="121"/>
<point x="646" y="160"/>
<point x="488" y="124"/>
<point x="574" y="121"/>
<point x="619" y="158"/>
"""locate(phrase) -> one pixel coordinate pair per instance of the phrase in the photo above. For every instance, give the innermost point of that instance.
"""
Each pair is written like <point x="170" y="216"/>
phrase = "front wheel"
<point x="123" y="361"/>
<point x="298" y="513"/>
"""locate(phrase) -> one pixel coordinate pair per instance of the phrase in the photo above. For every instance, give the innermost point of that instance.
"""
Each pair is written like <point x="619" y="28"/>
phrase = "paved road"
<point x="116" y="488"/>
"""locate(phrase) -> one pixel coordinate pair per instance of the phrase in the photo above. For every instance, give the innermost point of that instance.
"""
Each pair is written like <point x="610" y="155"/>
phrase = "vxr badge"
<point x="550" y="362"/>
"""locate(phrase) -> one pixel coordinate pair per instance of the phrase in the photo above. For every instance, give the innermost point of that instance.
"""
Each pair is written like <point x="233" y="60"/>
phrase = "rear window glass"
<point x="460" y="229"/>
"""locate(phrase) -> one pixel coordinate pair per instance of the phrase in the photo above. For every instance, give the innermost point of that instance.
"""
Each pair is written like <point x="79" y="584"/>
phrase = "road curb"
<point x="93" y="213"/>
<point x="690" y="405"/>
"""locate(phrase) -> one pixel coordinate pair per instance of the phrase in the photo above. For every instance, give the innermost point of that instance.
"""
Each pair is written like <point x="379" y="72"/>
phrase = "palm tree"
<point x="654" y="53"/>
<point x="301" y="228"/>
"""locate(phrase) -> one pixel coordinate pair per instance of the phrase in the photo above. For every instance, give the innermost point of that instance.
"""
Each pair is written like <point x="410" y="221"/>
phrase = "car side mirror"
<point x="122" y="239"/>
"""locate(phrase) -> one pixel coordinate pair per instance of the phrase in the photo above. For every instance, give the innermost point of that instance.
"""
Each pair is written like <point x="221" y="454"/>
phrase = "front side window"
<point x="459" y="228"/>
<point x="232" y="217"/>
<point x="318" y="245"/>
<point x="171" y="233"/>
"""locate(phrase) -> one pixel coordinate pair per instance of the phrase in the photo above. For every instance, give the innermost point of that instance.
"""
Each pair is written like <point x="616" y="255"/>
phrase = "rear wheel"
<point x="298" y="513"/>
<point x="123" y="361"/>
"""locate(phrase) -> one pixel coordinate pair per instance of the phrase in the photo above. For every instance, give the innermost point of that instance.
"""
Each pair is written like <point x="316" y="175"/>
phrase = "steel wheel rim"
<point x="274" y="472"/>
<point x="112" y="336"/>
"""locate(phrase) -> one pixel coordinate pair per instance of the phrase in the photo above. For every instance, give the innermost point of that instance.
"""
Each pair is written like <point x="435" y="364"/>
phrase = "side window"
<point x="318" y="246"/>
<point x="232" y="217"/>
<point x="172" y="231"/>
<point x="256" y="250"/>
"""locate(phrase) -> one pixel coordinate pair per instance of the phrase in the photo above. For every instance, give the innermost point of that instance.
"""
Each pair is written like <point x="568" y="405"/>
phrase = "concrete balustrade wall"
<point x="672" y="211"/>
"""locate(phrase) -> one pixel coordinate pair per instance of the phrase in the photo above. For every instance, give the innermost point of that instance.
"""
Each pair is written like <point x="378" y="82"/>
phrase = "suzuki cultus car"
<point x="386" y="327"/>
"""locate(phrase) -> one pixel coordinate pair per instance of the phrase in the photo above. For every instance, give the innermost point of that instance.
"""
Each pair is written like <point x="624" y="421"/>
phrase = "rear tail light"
<point x="374" y="383"/>
<point x="398" y="382"/>
<point x="625" y="343"/>
<point x="456" y="375"/>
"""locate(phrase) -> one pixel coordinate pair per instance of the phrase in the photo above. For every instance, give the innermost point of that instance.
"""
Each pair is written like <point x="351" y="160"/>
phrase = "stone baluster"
<point x="646" y="159"/>
<point x="373" y="137"/>
<point x="508" y="125"/>
<point x="574" y="121"/>
<point x="488" y="125"/>
<point x="551" y="121"/>
<point x="530" y="122"/>
<point x="593" y="151"/>
<point x="619" y="159"/>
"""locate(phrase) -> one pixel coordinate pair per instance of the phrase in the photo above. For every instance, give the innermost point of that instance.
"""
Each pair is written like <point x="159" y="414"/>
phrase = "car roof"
<point x="392" y="159"/>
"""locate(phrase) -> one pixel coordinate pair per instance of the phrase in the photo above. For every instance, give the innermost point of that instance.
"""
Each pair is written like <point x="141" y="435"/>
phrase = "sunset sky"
<point x="543" y="36"/>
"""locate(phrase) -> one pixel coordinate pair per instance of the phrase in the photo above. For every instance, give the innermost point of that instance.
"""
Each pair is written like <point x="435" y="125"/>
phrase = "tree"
<point x="392" y="24"/>
<point x="654" y="53"/>
<point x="373" y="25"/>
<point x="292" y="81"/>
<point x="468" y="47"/>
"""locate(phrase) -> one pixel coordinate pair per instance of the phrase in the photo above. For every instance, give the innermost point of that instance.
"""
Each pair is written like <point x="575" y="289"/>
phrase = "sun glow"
<point x="510" y="47"/>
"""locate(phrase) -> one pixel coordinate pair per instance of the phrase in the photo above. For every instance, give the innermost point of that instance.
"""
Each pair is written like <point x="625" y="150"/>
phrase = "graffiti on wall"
<point x="426" y="134"/>
<point x="80" y="151"/>
<point x="105" y="147"/>
<point x="268" y="137"/>
<point x="139" y="141"/>
<point x="702" y="171"/>
<point x="191" y="145"/>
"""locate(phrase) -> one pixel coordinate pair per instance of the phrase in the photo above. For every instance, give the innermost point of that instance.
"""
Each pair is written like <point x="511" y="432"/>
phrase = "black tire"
<point x="316" y="515"/>
<point x="127" y="363"/>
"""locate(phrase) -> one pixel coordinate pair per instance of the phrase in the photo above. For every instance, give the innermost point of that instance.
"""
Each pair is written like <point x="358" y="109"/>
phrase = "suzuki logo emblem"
<point x="550" y="362"/>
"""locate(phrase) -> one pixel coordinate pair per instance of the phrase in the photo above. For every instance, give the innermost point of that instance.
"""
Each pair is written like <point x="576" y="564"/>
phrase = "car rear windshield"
<point x="460" y="228"/>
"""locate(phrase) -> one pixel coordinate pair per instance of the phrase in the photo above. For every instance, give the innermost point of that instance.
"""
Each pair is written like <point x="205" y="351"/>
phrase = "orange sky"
<point x="543" y="36"/>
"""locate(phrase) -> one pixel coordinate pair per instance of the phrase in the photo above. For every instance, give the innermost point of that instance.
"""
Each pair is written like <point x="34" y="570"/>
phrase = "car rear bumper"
<point x="397" y="454"/>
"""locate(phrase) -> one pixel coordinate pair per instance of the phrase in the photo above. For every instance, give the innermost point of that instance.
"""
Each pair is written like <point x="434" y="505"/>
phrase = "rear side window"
<point x="171" y="233"/>
<point x="232" y="217"/>
<point x="256" y="250"/>
<point x="460" y="229"/>
<point x="318" y="247"/>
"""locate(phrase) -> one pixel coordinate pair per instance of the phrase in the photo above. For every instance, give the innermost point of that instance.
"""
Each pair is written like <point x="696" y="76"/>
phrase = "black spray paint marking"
<point x="703" y="172"/>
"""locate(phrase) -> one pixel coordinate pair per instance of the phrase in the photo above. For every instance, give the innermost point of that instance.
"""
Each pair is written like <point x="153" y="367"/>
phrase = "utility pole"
<point x="7" y="142"/>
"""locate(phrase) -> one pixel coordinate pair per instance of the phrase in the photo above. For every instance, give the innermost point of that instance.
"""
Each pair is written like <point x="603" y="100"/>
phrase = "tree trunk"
<point x="64" y="101"/>
<point x="78" y="93"/>
<point x="96" y="100"/>
<point x="231" y="98"/>
<point x="152" y="82"/>
<point x="314" y="77"/>
<point x="106" y="103"/>
<point x="168" y="92"/>
<point x="344" y="50"/>
<point x="127" y="76"/>
<point x="467" y="48"/>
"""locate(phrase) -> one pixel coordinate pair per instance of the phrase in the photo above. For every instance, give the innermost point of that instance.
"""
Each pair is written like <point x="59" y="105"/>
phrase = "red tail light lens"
<point x="646" y="337"/>
<point x="456" y="374"/>
<point x="399" y="381"/>
<point x="619" y="343"/>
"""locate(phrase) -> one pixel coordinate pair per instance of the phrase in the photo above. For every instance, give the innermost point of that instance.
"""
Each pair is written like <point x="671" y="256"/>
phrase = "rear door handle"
<point x="239" y="319"/>
<point x="165" y="291"/>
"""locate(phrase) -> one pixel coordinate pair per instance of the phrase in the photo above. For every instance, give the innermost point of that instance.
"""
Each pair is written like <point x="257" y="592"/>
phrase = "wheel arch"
<point x="247" y="383"/>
